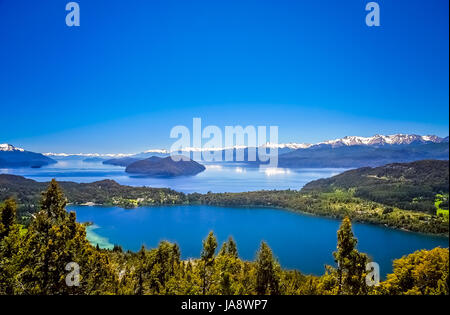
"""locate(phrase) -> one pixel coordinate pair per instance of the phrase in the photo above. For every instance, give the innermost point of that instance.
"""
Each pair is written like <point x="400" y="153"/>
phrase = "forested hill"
<point x="28" y="192"/>
<point x="411" y="185"/>
<point x="396" y="195"/>
<point x="362" y="156"/>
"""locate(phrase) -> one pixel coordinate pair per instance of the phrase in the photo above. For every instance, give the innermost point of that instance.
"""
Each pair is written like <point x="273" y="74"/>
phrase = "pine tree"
<point x="10" y="244"/>
<point x="267" y="278"/>
<point x="227" y="269"/>
<point x="229" y="248"/>
<point x="53" y="202"/>
<point x="140" y="272"/>
<point x="424" y="272"/>
<point x="209" y="248"/>
<point x="54" y="239"/>
<point x="351" y="270"/>
<point x="45" y="245"/>
<point x="232" y="248"/>
<point x="7" y="217"/>
<point x="207" y="260"/>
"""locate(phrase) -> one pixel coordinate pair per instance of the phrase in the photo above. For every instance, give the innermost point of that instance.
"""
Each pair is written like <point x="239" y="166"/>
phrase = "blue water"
<point x="299" y="241"/>
<point x="216" y="178"/>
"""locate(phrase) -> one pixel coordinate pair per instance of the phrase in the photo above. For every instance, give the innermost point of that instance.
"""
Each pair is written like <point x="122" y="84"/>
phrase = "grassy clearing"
<point x="437" y="203"/>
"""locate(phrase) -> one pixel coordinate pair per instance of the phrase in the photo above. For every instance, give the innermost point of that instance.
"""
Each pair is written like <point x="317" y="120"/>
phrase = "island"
<point x="165" y="167"/>
<point x="400" y="195"/>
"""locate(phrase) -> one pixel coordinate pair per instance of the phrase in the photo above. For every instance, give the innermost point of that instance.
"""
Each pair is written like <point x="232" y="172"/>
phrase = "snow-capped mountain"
<point x="87" y="155"/>
<point x="396" y="139"/>
<point x="290" y="145"/>
<point x="11" y="157"/>
<point x="106" y="155"/>
<point x="377" y="140"/>
<point x="9" y="148"/>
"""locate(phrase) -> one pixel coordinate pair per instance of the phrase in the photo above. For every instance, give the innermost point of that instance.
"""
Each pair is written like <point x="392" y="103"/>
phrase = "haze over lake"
<point x="216" y="178"/>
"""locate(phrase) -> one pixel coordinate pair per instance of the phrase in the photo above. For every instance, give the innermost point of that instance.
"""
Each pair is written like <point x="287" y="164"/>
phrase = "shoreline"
<point x="273" y="208"/>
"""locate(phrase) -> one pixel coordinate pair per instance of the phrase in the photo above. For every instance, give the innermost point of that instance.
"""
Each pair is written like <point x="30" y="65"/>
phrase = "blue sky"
<point x="134" y="69"/>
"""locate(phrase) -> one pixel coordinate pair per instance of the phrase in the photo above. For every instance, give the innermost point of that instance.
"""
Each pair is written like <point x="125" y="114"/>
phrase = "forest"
<point x="51" y="255"/>
<point x="411" y="186"/>
<point x="410" y="196"/>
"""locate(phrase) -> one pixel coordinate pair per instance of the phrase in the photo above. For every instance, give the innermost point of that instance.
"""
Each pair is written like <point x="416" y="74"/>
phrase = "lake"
<point x="299" y="241"/>
<point x="233" y="177"/>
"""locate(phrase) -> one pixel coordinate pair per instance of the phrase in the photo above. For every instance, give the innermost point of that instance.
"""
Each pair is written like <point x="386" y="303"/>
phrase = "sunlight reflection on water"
<point x="226" y="177"/>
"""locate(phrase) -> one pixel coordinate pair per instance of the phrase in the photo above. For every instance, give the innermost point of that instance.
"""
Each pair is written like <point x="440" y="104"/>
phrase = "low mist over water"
<point x="216" y="178"/>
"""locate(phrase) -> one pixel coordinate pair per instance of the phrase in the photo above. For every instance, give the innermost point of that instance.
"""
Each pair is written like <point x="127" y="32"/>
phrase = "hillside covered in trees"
<point x="411" y="186"/>
<point x="412" y="196"/>
<point x="362" y="155"/>
<point x="27" y="192"/>
<point x="51" y="255"/>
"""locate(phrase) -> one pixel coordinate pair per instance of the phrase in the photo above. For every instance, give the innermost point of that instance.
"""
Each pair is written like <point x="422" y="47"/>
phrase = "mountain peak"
<point x="9" y="147"/>
<point x="395" y="139"/>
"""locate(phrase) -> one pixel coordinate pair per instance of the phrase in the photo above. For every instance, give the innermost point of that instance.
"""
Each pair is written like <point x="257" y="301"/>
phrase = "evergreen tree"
<point x="54" y="239"/>
<point x="140" y="273"/>
<point x="207" y="260"/>
<point x="229" y="248"/>
<point x="53" y="202"/>
<point x="351" y="270"/>
<point x="7" y="217"/>
<point x="227" y="269"/>
<point x="33" y="260"/>
<point x="267" y="278"/>
<point x="10" y="243"/>
<point x="209" y="248"/>
<point x="424" y="272"/>
<point x="192" y="283"/>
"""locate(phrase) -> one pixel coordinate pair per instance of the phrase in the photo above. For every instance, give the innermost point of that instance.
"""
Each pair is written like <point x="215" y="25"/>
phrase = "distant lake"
<point x="216" y="178"/>
<point x="299" y="241"/>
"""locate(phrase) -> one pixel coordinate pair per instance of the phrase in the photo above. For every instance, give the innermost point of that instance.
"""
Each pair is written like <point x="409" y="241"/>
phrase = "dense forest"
<point x="411" y="196"/>
<point x="51" y="255"/>
<point x="412" y="186"/>
<point x="27" y="192"/>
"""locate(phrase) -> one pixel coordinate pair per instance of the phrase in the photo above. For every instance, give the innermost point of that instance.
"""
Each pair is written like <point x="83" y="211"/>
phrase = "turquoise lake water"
<point x="299" y="241"/>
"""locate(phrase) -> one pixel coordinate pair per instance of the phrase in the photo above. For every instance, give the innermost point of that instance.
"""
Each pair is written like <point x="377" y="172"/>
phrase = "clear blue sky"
<point x="134" y="69"/>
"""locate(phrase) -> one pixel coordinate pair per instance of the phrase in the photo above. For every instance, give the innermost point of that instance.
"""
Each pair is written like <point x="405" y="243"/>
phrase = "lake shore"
<point x="187" y="225"/>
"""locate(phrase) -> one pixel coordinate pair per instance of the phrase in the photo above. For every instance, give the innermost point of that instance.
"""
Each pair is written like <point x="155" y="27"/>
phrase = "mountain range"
<point x="362" y="155"/>
<point x="11" y="157"/>
<point x="350" y="152"/>
<point x="347" y="152"/>
<point x="377" y="140"/>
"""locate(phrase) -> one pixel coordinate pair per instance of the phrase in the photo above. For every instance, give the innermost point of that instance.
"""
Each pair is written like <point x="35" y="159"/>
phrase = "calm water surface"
<point x="216" y="178"/>
<point x="299" y="241"/>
